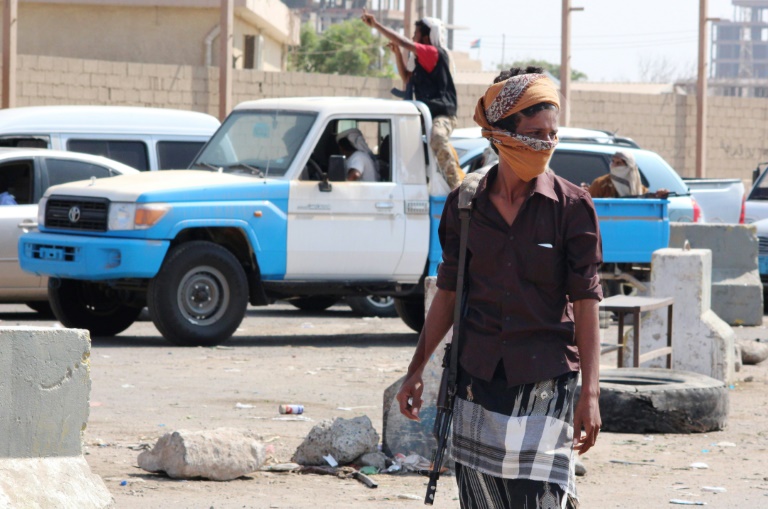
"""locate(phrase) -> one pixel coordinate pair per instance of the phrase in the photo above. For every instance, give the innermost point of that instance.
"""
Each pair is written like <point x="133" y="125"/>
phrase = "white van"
<point x="143" y="138"/>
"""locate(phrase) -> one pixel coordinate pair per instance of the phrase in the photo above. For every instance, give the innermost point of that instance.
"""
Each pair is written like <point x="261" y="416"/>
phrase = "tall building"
<point x="739" y="56"/>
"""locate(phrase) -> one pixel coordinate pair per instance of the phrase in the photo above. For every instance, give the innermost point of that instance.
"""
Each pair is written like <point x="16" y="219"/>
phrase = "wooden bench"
<point x="622" y="305"/>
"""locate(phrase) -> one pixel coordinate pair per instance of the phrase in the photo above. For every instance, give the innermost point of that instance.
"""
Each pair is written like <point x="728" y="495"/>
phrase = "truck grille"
<point x="77" y="213"/>
<point x="762" y="246"/>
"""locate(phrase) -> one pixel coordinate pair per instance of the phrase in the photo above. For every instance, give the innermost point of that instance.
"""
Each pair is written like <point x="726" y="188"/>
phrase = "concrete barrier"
<point x="44" y="394"/>
<point x="701" y="341"/>
<point x="737" y="292"/>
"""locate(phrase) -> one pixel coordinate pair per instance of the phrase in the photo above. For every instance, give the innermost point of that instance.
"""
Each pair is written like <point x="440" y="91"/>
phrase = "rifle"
<point x="448" y="386"/>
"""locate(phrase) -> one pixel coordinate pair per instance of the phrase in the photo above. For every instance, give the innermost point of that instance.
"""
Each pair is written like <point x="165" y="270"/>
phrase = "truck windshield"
<point x="260" y="143"/>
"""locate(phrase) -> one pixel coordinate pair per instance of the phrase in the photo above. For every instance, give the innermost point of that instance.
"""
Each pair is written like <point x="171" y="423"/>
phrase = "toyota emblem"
<point x="74" y="214"/>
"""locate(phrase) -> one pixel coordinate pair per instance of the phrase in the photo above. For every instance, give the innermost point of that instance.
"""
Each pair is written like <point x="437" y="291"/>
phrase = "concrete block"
<point x="401" y="435"/>
<point x="701" y="341"/>
<point x="737" y="292"/>
<point x="44" y="395"/>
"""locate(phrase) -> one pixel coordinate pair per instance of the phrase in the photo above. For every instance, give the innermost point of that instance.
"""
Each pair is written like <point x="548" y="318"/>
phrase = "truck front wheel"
<point x="411" y="311"/>
<point x="86" y="305"/>
<point x="199" y="296"/>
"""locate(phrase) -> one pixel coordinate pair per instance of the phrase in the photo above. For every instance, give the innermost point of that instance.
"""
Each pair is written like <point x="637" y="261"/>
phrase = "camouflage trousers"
<point x="447" y="160"/>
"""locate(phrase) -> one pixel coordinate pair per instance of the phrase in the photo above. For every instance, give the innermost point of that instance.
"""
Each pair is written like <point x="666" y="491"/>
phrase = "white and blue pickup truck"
<point x="264" y="213"/>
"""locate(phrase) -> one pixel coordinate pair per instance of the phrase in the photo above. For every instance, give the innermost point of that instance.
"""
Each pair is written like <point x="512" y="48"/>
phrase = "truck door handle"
<point x="27" y="224"/>
<point x="385" y="205"/>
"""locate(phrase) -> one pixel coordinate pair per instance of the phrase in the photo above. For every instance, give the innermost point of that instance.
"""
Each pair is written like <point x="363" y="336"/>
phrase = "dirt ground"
<point x="338" y="365"/>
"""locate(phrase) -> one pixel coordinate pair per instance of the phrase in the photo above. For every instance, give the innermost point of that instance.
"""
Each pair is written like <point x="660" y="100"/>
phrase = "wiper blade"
<point x="210" y="166"/>
<point x="254" y="170"/>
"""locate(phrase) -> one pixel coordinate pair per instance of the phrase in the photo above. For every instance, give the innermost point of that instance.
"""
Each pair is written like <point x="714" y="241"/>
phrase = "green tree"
<point x="345" y="48"/>
<point x="553" y="69"/>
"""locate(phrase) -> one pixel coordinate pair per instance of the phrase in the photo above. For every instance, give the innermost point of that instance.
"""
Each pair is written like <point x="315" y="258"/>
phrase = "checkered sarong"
<point x="521" y="432"/>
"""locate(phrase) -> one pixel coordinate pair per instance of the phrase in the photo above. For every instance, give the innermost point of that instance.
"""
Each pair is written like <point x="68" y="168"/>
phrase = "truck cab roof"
<point x="333" y="105"/>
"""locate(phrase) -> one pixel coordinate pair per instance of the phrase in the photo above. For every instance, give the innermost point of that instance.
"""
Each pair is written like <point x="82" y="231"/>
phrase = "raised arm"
<point x="387" y="32"/>
<point x="405" y="75"/>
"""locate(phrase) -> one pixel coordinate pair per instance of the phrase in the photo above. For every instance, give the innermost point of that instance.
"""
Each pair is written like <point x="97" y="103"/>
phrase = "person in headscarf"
<point x="530" y="319"/>
<point x="359" y="161"/>
<point x="623" y="180"/>
<point x="429" y="73"/>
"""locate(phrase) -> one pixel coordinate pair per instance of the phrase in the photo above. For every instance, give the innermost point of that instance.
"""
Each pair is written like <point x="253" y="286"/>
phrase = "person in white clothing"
<point x="359" y="161"/>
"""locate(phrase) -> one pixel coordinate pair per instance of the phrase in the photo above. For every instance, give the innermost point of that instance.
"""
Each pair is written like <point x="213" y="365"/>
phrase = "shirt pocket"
<point x="542" y="264"/>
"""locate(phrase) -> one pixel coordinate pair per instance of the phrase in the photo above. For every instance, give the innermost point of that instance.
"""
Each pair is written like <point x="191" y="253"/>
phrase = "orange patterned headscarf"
<point x="528" y="157"/>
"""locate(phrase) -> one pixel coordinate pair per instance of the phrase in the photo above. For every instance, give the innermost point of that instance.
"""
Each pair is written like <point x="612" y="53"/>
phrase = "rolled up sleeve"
<point x="583" y="250"/>
<point x="449" y="234"/>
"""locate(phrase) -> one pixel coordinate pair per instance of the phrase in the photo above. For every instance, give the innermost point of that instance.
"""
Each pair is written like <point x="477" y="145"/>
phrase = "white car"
<point x="25" y="174"/>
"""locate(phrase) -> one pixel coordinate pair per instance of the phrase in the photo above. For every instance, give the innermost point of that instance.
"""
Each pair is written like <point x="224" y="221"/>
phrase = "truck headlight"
<point x="121" y="216"/>
<point x="132" y="216"/>
<point x="41" y="212"/>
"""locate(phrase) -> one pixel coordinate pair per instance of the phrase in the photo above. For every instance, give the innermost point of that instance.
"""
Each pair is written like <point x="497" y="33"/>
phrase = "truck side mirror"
<point x="336" y="170"/>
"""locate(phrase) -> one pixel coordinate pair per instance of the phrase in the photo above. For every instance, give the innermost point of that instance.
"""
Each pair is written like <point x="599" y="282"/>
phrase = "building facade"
<point x="181" y="32"/>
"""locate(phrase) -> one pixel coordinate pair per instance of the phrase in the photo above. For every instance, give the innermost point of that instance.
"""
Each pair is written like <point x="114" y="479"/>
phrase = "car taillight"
<point x="696" y="211"/>
<point x="743" y="209"/>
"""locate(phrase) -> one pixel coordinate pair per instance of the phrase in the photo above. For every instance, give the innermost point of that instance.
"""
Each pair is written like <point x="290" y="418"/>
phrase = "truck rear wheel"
<point x="411" y="311"/>
<point x="372" y="305"/>
<point x="199" y="296"/>
<point x="86" y="305"/>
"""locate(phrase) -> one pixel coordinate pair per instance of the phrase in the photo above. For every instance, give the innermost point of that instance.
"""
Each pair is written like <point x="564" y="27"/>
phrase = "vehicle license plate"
<point x="52" y="253"/>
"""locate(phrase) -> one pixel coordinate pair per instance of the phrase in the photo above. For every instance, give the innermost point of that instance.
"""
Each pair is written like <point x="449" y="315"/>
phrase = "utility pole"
<point x="701" y="95"/>
<point x="450" y="24"/>
<point x="565" y="62"/>
<point x="10" y="26"/>
<point x="409" y="18"/>
<point x="503" y="43"/>
<point x="225" y="58"/>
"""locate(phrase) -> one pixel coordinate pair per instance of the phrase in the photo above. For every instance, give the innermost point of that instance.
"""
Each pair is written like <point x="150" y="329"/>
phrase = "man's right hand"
<point x="409" y="397"/>
<point x="368" y="19"/>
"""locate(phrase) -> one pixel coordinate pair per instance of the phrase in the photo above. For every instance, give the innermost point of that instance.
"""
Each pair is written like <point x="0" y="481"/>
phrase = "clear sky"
<point x="612" y="40"/>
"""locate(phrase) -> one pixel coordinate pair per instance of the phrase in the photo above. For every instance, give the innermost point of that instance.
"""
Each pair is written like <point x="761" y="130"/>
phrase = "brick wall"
<point x="666" y="124"/>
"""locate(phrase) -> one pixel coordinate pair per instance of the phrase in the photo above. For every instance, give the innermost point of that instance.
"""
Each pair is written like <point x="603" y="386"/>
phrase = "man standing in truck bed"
<point x="432" y="84"/>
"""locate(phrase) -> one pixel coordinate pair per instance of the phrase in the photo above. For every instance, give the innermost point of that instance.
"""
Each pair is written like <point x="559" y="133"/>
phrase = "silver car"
<point x="25" y="174"/>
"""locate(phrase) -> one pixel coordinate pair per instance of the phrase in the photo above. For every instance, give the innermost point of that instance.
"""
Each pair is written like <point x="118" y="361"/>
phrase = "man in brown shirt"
<point x="530" y="320"/>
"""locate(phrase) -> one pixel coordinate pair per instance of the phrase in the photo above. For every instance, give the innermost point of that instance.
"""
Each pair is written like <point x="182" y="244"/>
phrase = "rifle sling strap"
<point x="466" y="194"/>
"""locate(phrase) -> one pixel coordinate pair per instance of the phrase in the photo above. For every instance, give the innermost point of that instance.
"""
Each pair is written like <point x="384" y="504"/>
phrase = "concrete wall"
<point x="120" y="31"/>
<point x="664" y="123"/>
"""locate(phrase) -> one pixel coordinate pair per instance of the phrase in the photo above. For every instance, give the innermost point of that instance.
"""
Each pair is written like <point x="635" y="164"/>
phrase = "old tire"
<point x="318" y="303"/>
<point x="93" y="306"/>
<point x="373" y="305"/>
<point x="411" y="311"/>
<point x="199" y="296"/>
<point x="654" y="400"/>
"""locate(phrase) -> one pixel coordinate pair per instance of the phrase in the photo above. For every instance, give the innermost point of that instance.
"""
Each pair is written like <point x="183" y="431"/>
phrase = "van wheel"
<point x="199" y="296"/>
<point x="85" y="305"/>
<point x="411" y="311"/>
<point x="373" y="305"/>
<point x="655" y="400"/>
<point x="314" y="303"/>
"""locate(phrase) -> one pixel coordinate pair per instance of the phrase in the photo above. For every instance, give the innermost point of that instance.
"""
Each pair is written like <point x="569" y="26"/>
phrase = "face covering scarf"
<point x="528" y="157"/>
<point x="626" y="177"/>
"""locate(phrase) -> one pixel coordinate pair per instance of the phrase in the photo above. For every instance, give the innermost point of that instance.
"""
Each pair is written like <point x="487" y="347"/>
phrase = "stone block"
<point x="222" y="454"/>
<point x="737" y="292"/>
<point x="701" y="341"/>
<point x="44" y="396"/>
<point x="344" y="439"/>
